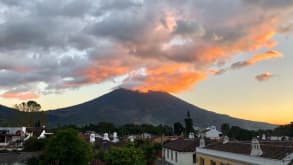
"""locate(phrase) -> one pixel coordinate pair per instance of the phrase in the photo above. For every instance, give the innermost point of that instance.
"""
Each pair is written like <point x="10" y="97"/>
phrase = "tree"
<point x="34" y="144"/>
<point x="67" y="147"/>
<point x="291" y="129"/>
<point x="149" y="149"/>
<point x="178" y="128"/>
<point x="241" y="134"/>
<point x="30" y="106"/>
<point x="225" y="127"/>
<point x="188" y="124"/>
<point x="125" y="155"/>
<point x="30" y="114"/>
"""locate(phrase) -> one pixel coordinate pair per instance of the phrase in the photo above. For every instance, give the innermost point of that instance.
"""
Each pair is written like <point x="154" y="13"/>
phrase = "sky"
<point x="229" y="56"/>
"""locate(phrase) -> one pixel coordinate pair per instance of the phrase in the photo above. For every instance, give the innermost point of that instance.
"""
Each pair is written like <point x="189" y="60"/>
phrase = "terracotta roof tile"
<point x="271" y="149"/>
<point x="182" y="145"/>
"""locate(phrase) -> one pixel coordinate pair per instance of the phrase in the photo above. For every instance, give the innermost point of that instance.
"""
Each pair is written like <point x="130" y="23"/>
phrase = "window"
<point x="176" y="156"/>
<point x="2" y="139"/>
<point x="213" y="162"/>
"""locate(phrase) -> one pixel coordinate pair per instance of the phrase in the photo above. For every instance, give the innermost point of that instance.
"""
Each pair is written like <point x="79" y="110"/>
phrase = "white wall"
<point x="183" y="158"/>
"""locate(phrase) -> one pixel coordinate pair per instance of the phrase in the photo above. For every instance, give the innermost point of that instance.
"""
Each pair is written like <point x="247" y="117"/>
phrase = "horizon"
<point x="230" y="62"/>
<point x="151" y="92"/>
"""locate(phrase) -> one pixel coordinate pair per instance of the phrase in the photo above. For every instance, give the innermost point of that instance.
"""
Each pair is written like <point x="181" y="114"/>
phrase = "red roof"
<point x="271" y="149"/>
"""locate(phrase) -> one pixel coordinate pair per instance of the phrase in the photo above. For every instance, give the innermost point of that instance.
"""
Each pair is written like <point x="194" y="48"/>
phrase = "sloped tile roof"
<point x="271" y="149"/>
<point x="182" y="145"/>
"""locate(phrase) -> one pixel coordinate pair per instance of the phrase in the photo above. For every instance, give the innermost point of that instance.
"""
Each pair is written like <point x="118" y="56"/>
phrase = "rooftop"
<point x="182" y="145"/>
<point x="271" y="149"/>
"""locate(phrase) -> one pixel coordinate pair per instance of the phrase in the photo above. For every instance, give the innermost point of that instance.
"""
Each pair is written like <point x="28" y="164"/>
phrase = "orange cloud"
<point x="180" y="66"/>
<point x="264" y="76"/>
<point x="257" y="58"/>
<point x="264" y="56"/>
<point x="171" y="78"/>
<point x="270" y="44"/>
<point x="100" y="73"/>
<point x="22" y="69"/>
<point x="258" y="36"/>
<point x="20" y="95"/>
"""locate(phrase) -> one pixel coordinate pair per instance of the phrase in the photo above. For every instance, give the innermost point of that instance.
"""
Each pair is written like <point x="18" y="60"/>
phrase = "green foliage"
<point x="138" y="129"/>
<point x="33" y="161"/>
<point x="67" y="147"/>
<point x="101" y="127"/>
<point x="29" y="114"/>
<point x="125" y="155"/>
<point x="284" y="130"/>
<point x="127" y="129"/>
<point x="241" y="134"/>
<point x="178" y="128"/>
<point x="34" y="144"/>
<point x="225" y="128"/>
<point x="30" y="106"/>
<point x="149" y="149"/>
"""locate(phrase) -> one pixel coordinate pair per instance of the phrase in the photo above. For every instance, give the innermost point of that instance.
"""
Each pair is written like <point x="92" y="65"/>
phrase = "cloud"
<point x="189" y="29"/>
<point x="264" y="76"/>
<point x="20" y="95"/>
<point x="173" y="78"/>
<point x="54" y="46"/>
<point x="257" y="58"/>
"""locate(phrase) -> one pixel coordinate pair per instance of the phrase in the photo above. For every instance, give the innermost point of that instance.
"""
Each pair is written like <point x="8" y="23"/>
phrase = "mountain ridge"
<point x="122" y="106"/>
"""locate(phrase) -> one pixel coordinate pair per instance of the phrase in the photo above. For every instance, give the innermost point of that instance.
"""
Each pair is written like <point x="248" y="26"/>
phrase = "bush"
<point x="67" y="147"/>
<point x="125" y="155"/>
<point x="34" y="144"/>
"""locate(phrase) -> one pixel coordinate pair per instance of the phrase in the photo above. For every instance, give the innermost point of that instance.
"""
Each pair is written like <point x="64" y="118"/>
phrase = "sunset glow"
<point x="236" y="62"/>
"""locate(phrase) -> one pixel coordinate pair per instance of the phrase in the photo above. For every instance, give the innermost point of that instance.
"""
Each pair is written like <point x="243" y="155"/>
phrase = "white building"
<point x="246" y="153"/>
<point x="278" y="138"/>
<point x="212" y="133"/>
<point x="146" y="135"/>
<point x="180" y="152"/>
<point x="11" y="135"/>
<point x="115" y="138"/>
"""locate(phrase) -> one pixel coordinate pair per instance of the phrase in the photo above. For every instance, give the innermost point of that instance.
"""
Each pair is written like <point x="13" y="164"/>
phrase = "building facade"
<point x="246" y="153"/>
<point x="180" y="152"/>
<point x="212" y="133"/>
<point x="11" y="136"/>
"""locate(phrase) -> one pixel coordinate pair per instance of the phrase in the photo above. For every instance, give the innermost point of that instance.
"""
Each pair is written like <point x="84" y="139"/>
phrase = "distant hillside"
<point x="125" y="106"/>
<point x="6" y="114"/>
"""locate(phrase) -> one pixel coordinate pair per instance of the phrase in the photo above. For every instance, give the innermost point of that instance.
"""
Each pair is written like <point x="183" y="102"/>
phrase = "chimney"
<point x="42" y="135"/>
<point x="106" y="137"/>
<point x="226" y="140"/>
<point x="255" y="148"/>
<point x="115" y="138"/>
<point x="92" y="138"/>
<point x="131" y="138"/>
<point x="202" y="142"/>
<point x="263" y="137"/>
<point x="191" y="135"/>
